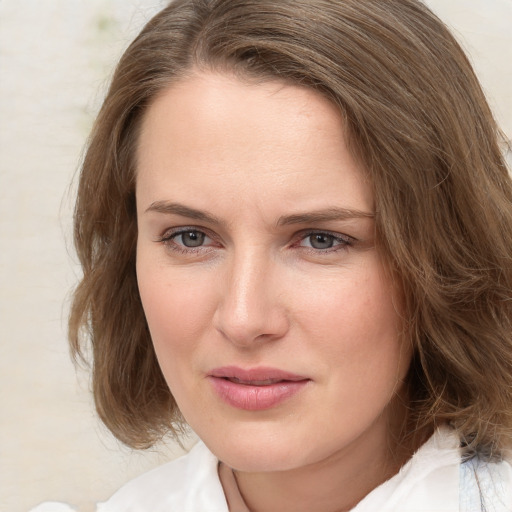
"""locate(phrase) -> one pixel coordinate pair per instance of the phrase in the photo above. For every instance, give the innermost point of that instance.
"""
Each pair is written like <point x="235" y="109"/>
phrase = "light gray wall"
<point x="55" y="57"/>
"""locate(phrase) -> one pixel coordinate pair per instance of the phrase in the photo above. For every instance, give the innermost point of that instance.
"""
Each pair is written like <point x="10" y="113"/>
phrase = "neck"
<point x="334" y="484"/>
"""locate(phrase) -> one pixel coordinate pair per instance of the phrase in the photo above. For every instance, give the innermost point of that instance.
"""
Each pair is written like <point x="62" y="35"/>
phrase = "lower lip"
<point x="256" y="398"/>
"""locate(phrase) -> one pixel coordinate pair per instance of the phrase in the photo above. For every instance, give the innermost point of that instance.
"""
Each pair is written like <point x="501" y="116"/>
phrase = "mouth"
<point x="266" y="382"/>
<point x="257" y="388"/>
<point x="256" y="376"/>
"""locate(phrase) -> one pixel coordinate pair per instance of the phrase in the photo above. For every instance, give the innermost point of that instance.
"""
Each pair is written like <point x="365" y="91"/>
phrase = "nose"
<point x="251" y="307"/>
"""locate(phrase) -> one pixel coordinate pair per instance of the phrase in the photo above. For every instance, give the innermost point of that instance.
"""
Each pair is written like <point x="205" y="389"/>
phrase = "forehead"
<point x="218" y="134"/>
<point x="208" y="102"/>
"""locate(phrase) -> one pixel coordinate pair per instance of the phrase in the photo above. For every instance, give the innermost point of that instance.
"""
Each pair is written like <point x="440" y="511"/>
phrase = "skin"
<point x="260" y="161"/>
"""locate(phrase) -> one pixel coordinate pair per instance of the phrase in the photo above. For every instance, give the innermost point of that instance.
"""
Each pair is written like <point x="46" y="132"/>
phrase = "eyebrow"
<point x="328" y="214"/>
<point x="325" y="215"/>
<point x="182" y="210"/>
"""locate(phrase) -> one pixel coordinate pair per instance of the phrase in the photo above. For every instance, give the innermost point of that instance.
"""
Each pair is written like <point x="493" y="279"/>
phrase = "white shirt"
<point x="433" y="480"/>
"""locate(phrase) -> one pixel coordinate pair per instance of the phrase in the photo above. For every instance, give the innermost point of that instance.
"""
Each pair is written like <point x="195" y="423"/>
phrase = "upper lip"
<point x="256" y="375"/>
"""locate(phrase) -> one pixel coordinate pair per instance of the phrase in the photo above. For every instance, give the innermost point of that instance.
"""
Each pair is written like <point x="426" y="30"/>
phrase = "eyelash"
<point x="167" y="239"/>
<point x="343" y="242"/>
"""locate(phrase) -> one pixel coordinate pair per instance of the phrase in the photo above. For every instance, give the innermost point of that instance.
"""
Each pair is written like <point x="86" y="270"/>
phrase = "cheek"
<point x="357" y="325"/>
<point x="177" y="311"/>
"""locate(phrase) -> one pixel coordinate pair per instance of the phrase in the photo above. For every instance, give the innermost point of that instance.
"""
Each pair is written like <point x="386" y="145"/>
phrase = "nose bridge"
<point x="249" y="308"/>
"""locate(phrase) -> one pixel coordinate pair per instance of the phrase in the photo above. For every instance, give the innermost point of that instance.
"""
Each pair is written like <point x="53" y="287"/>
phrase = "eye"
<point x="321" y="241"/>
<point x="190" y="238"/>
<point x="185" y="239"/>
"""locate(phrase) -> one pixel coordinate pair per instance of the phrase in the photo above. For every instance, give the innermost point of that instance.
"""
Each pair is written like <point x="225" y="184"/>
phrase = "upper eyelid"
<point x="334" y="234"/>
<point x="170" y="232"/>
<point x="302" y="232"/>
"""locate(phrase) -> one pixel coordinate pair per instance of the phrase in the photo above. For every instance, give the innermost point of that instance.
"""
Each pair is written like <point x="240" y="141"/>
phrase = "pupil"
<point x="321" y="241"/>
<point x="192" y="239"/>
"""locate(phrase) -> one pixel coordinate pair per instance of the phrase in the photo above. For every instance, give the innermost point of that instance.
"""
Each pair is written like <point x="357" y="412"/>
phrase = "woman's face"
<point x="270" y="311"/>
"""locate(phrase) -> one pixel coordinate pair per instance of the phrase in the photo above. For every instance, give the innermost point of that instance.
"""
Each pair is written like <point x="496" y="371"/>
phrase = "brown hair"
<point x="416" y="117"/>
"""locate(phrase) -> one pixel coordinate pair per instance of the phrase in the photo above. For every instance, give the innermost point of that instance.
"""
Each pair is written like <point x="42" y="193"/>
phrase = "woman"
<point x="295" y="227"/>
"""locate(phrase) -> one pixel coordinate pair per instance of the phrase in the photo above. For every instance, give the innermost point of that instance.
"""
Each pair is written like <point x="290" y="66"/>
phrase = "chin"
<point x="253" y="452"/>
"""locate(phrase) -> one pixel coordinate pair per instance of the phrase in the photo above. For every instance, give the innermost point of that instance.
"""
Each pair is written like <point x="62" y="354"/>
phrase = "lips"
<point x="257" y="388"/>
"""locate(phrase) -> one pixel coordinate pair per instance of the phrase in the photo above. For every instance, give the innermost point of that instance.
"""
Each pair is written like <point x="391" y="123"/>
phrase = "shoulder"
<point x="486" y="485"/>
<point x="435" y="480"/>
<point x="428" y="482"/>
<point x="187" y="484"/>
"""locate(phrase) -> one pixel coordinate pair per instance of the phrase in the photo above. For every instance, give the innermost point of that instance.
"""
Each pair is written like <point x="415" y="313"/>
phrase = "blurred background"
<point x="56" y="57"/>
